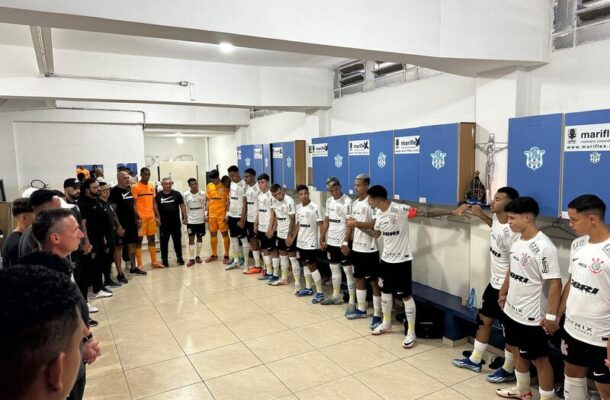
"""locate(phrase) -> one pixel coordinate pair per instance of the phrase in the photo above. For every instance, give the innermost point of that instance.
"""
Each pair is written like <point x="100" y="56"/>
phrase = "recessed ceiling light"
<point x="226" y="47"/>
<point x="179" y="138"/>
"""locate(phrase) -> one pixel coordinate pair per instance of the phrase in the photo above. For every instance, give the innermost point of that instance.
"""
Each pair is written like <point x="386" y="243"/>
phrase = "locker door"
<point x="267" y="160"/>
<point x="438" y="164"/>
<point x="247" y="157"/>
<point x="407" y="149"/>
<point x="382" y="160"/>
<point x="319" y="162"/>
<point x="258" y="159"/>
<point x="359" y="149"/>
<point x="338" y="160"/>
<point x="288" y="166"/>
<point x="277" y="161"/>
<point x="240" y="161"/>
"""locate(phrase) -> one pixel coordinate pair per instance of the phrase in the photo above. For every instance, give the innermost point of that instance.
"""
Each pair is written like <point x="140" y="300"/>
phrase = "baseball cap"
<point x="71" y="182"/>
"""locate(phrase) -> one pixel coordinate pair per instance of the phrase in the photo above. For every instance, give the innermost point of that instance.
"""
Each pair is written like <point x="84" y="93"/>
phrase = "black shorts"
<point x="266" y="243"/>
<point x="586" y="355"/>
<point x="307" y="256"/>
<point x="234" y="229"/>
<point x="282" y="246"/>
<point x="250" y="231"/>
<point x="195" y="230"/>
<point x="366" y="265"/>
<point x="335" y="256"/>
<point x="490" y="307"/>
<point x="532" y="341"/>
<point x="129" y="237"/>
<point x="396" y="278"/>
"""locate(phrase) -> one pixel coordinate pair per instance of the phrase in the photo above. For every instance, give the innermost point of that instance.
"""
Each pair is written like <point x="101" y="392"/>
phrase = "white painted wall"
<point x="223" y="152"/>
<point x="166" y="148"/>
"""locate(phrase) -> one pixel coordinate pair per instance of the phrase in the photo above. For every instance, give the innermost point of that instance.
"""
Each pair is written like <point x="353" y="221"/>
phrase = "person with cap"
<point x="72" y="190"/>
<point x="22" y="212"/>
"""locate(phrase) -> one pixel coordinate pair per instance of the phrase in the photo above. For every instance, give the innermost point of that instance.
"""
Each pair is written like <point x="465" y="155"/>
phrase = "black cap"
<point x="71" y="182"/>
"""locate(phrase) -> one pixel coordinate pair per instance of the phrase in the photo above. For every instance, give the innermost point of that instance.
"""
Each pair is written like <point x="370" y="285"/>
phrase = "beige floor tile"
<point x="252" y="384"/>
<point x="241" y="280"/>
<point x="161" y="377"/>
<point x="333" y="311"/>
<point x="437" y="363"/>
<point x="133" y="316"/>
<point x="392" y="342"/>
<point x="306" y="370"/>
<point x="192" y="392"/>
<point x="477" y="388"/>
<point x="209" y="288"/>
<point x="223" y="360"/>
<point x="399" y="380"/>
<point x="205" y="339"/>
<point x="360" y="325"/>
<point x="358" y="355"/>
<point x="347" y="388"/>
<point x="107" y="387"/>
<point x="192" y="322"/>
<point x="103" y="335"/>
<point x="259" y="291"/>
<point x="278" y="345"/>
<point x="225" y="298"/>
<point x="125" y="301"/>
<point x="171" y="296"/>
<point x="326" y="333"/>
<point x="448" y="394"/>
<point x="142" y="330"/>
<point x="180" y="308"/>
<point x="238" y="311"/>
<point x="253" y="327"/>
<point x="148" y="350"/>
<point x="307" y="316"/>
<point x="281" y="302"/>
<point x="108" y="363"/>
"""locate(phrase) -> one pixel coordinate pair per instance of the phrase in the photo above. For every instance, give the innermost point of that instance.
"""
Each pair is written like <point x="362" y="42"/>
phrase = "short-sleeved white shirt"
<point x="393" y="224"/>
<point x="337" y="211"/>
<point x="283" y="210"/>
<point x="195" y="206"/>
<point x="308" y="217"/>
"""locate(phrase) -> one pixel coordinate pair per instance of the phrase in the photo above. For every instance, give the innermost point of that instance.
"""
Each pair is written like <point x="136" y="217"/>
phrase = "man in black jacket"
<point x="170" y="204"/>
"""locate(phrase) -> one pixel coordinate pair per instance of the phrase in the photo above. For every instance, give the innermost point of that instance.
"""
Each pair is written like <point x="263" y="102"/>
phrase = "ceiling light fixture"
<point x="179" y="138"/>
<point x="226" y="47"/>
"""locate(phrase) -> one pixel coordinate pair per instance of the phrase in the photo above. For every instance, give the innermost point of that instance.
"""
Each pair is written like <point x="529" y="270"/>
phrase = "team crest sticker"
<point x="266" y="162"/>
<point x="381" y="159"/>
<point x="438" y="159"/>
<point x="596" y="266"/>
<point x="288" y="162"/>
<point x="595" y="157"/>
<point x="338" y="161"/>
<point x="525" y="260"/>
<point x="247" y="161"/>
<point x="534" y="158"/>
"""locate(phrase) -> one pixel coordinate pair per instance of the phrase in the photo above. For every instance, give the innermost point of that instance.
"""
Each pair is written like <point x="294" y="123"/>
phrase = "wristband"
<point x="345" y="244"/>
<point x="551" y="317"/>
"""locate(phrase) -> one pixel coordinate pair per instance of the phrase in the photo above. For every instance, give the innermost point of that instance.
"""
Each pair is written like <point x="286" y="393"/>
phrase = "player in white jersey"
<point x="586" y="301"/>
<point x="194" y="199"/>
<point x="501" y="240"/>
<point x="237" y="217"/>
<point x="251" y="213"/>
<point x="532" y="287"/>
<point x="264" y="231"/>
<point x="335" y="238"/>
<point x="308" y="220"/>
<point x="283" y="217"/>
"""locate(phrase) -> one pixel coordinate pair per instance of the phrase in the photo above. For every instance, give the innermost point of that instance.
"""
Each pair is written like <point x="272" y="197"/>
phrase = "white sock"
<point x="199" y="246"/>
<point x="509" y="362"/>
<point x="410" y="313"/>
<point x="386" y="307"/>
<point x="284" y="264"/>
<point x="308" y="279"/>
<point x="317" y="279"/>
<point x="257" y="258"/>
<point x="361" y="296"/>
<point x="351" y="283"/>
<point x="550" y="395"/>
<point x="276" y="266"/>
<point x="267" y="264"/>
<point x="335" y="270"/>
<point x="296" y="272"/>
<point x="574" y="388"/>
<point x="478" y="351"/>
<point x="377" y="306"/>
<point x="191" y="251"/>
<point x="235" y="247"/>
<point x="523" y="381"/>
<point x="246" y="249"/>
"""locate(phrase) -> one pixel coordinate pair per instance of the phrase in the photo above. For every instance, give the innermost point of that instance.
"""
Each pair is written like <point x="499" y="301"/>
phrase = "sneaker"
<point x="513" y="393"/>
<point x="331" y="301"/>
<point x="92" y="309"/>
<point x="229" y="267"/>
<point x="349" y="309"/>
<point x="318" y="298"/>
<point x="105" y="289"/>
<point x="180" y="261"/>
<point x="253" y="270"/>
<point x="191" y="263"/>
<point x="375" y="322"/>
<point x="409" y="340"/>
<point x="273" y="279"/>
<point x="279" y="282"/>
<point x="357" y="314"/>
<point x="165" y="264"/>
<point x="265" y="277"/>
<point x="210" y="259"/>
<point x="137" y="271"/>
<point x="157" y="264"/>
<point x="235" y="262"/>
<point x="304" y="292"/>
<point x="500" y="376"/>
<point x="100" y="295"/>
<point x="242" y="261"/>
<point x="468" y="364"/>
<point x="198" y="260"/>
<point x="112" y="284"/>
<point x="121" y="278"/>
<point x="382" y="328"/>
<point x="93" y="323"/>
<point x="225" y="260"/>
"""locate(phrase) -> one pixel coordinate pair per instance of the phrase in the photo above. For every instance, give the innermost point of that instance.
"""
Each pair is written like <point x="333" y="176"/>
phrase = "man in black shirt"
<point x="170" y="203"/>
<point x="111" y="230"/>
<point x="22" y="212"/>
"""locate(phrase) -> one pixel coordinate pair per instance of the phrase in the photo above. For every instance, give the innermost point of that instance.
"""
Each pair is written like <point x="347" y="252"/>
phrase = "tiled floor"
<point x="207" y="333"/>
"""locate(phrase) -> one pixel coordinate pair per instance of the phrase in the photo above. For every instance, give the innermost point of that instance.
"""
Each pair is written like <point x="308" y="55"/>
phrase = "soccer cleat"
<point x="112" y="284"/>
<point x="409" y="340"/>
<point x="93" y="323"/>
<point x="198" y="259"/>
<point x="273" y="279"/>
<point x="357" y="314"/>
<point x="375" y="322"/>
<point x="280" y="282"/>
<point x="318" y="298"/>
<point x="210" y="259"/>
<point x="100" y="295"/>
<point x="165" y="264"/>
<point x="265" y="277"/>
<point x="382" y="328"/>
<point x="229" y="267"/>
<point x="349" y="309"/>
<point x="467" y="364"/>
<point x="157" y="264"/>
<point x="500" y="376"/>
<point x="331" y="301"/>
<point x="137" y="271"/>
<point x="304" y="292"/>
<point x="121" y="278"/>
<point x="253" y="270"/>
<point x="513" y="393"/>
<point x="191" y="263"/>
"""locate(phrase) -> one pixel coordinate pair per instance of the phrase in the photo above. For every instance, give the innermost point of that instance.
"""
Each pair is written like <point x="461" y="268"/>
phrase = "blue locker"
<point x="319" y="162"/>
<point x="247" y="157"/>
<point x="267" y="160"/>
<point x="338" y="161"/>
<point x="288" y="166"/>
<point x="586" y="156"/>
<point x="407" y="149"/>
<point x="359" y="148"/>
<point x="381" y="163"/>
<point x="258" y="159"/>
<point x="240" y="162"/>
<point x="277" y="161"/>
<point x="438" y="164"/>
<point x="534" y="159"/>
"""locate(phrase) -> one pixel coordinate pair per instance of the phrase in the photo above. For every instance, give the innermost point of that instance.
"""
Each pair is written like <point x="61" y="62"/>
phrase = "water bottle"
<point x="472" y="300"/>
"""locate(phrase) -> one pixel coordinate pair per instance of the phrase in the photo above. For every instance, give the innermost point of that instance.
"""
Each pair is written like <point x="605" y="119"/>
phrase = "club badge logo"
<point x="596" y="266"/>
<point x="595" y="157"/>
<point x="338" y="161"/>
<point x="289" y="162"/>
<point x="247" y="161"/>
<point x="525" y="260"/>
<point x="438" y="159"/>
<point x="381" y="159"/>
<point x="534" y="158"/>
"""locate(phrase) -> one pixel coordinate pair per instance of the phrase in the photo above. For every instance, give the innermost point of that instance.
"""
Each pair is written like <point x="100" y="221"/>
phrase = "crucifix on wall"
<point x="490" y="149"/>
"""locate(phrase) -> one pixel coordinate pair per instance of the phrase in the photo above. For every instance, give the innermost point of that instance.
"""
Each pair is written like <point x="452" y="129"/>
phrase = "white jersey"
<point x="502" y="237"/>
<point x="531" y="263"/>
<point x="588" y="305"/>
<point x="308" y="217"/>
<point x="337" y="211"/>
<point x="237" y="192"/>
<point x="362" y="212"/>
<point x="283" y="210"/>
<point x="394" y="226"/>
<point x="195" y="206"/>
<point x="264" y="210"/>
<point x="252" y="202"/>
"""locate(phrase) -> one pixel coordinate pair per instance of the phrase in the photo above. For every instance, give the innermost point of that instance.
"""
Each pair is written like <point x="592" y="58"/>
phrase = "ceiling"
<point x="19" y="35"/>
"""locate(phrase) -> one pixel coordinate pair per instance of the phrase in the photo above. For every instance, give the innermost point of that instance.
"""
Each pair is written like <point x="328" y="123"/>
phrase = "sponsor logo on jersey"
<point x="519" y="277"/>
<point x="545" y="265"/>
<point x="334" y="221"/>
<point x="584" y="288"/>
<point x="534" y="248"/>
<point x="580" y="327"/>
<point x="395" y="233"/>
<point x="606" y="250"/>
<point x="495" y="253"/>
